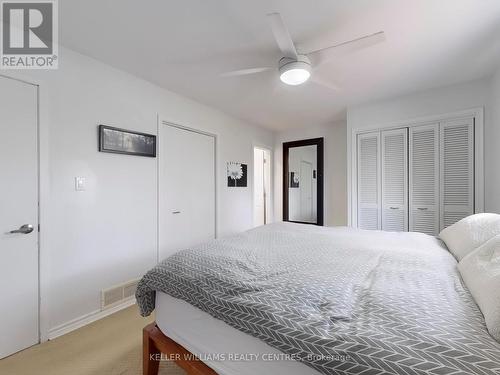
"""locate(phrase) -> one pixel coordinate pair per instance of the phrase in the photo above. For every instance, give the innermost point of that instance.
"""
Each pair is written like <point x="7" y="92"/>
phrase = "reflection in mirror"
<point x="303" y="181"/>
<point x="302" y="189"/>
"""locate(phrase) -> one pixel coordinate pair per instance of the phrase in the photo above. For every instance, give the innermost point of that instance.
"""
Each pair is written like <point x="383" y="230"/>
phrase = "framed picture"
<point x="294" y="180"/>
<point x="236" y="174"/>
<point x="121" y="141"/>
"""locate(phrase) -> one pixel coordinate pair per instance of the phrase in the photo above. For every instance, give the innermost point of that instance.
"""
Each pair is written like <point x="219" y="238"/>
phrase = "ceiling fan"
<point x="295" y="68"/>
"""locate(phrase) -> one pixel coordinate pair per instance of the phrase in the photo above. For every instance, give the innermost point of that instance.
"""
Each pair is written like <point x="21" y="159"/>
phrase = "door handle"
<point x="393" y="208"/>
<point x="176" y="212"/>
<point x="24" y="229"/>
<point x="422" y="208"/>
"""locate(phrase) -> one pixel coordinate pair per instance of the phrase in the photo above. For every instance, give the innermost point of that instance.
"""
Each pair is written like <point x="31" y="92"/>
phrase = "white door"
<point x="424" y="179"/>
<point x="457" y="170"/>
<point x="395" y="180"/>
<point x="186" y="189"/>
<point x="259" y="212"/>
<point x="306" y="191"/>
<point x="261" y="186"/>
<point x="18" y="212"/>
<point x="369" y="192"/>
<point x="267" y="186"/>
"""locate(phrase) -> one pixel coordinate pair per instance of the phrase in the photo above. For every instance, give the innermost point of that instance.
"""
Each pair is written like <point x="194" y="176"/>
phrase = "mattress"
<point x="213" y="340"/>
<point x="337" y="299"/>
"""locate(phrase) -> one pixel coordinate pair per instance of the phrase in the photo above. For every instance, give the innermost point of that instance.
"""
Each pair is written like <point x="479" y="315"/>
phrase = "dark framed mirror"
<point x="303" y="181"/>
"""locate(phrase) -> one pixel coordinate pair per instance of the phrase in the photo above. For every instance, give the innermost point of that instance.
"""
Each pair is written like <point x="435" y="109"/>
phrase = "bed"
<point x="304" y="299"/>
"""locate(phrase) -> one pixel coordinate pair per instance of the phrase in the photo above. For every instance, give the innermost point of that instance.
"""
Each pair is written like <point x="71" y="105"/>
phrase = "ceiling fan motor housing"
<point x="302" y="61"/>
<point x="295" y="71"/>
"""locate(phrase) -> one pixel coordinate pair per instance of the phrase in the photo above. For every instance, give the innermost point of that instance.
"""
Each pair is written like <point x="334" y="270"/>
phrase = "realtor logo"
<point x="29" y="35"/>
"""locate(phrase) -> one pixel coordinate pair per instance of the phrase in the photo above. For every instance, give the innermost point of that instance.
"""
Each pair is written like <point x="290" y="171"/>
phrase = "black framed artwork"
<point x="236" y="174"/>
<point x="122" y="141"/>
<point x="294" y="180"/>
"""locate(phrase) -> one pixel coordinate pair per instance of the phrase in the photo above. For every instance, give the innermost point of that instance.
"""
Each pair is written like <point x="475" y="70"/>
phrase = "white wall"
<point x="492" y="145"/>
<point x="434" y="102"/>
<point x="335" y="170"/>
<point x="107" y="234"/>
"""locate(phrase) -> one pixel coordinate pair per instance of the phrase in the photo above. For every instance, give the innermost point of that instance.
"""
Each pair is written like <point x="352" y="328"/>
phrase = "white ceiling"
<point x="183" y="45"/>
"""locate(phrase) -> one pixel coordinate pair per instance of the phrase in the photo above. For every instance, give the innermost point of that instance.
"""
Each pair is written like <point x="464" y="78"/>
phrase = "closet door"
<point x="424" y="179"/>
<point x="395" y="180"/>
<point x="369" y="192"/>
<point x="186" y="191"/>
<point x="457" y="170"/>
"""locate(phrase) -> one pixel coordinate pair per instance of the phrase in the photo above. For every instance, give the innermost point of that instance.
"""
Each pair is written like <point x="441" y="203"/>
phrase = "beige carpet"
<point x="110" y="346"/>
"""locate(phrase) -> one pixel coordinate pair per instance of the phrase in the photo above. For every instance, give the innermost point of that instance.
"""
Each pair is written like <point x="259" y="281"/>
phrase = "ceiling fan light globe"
<point x="295" y="77"/>
<point x="295" y="72"/>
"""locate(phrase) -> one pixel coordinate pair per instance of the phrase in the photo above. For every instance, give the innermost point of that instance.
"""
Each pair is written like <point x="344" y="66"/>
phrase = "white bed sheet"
<point x="212" y="339"/>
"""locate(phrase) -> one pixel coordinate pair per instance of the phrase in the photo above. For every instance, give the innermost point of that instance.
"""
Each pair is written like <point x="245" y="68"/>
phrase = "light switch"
<point x="80" y="183"/>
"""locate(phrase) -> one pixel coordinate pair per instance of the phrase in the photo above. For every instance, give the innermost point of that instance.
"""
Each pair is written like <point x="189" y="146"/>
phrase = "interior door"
<point x="267" y="186"/>
<point x="261" y="186"/>
<point x="424" y="179"/>
<point x="18" y="216"/>
<point x="259" y="199"/>
<point x="369" y="186"/>
<point x="395" y="180"/>
<point x="457" y="170"/>
<point x="186" y="189"/>
<point x="306" y="190"/>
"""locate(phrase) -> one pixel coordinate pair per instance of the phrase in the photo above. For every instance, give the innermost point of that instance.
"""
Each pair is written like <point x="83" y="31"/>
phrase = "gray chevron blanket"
<point x="343" y="301"/>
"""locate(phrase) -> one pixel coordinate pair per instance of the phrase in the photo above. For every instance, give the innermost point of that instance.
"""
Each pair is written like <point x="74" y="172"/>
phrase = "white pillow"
<point x="481" y="273"/>
<point x="470" y="233"/>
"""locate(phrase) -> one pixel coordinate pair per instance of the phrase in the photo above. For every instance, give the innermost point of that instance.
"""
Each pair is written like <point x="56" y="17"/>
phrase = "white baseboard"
<point x="87" y="319"/>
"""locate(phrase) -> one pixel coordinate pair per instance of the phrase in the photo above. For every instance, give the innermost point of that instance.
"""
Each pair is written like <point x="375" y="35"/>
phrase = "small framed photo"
<point x="121" y="141"/>
<point x="294" y="180"/>
<point x="236" y="174"/>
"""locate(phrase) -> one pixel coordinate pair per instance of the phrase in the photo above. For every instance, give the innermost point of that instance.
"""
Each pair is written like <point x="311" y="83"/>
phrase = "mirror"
<point x="303" y="181"/>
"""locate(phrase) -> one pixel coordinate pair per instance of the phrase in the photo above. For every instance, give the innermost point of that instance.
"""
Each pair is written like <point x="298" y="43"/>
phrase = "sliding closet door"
<point x="395" y="180"/>
<point x="369" y="192"/>
<point x="457" y="170"/>
<point x="424" y="179"/>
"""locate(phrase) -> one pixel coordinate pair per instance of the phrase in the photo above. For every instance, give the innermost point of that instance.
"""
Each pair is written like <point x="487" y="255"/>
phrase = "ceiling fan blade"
<point x="322" y="82"/>
<point x="244" y="72"/>
<point x="325" y="54"/>
<point x="282" y="36"/>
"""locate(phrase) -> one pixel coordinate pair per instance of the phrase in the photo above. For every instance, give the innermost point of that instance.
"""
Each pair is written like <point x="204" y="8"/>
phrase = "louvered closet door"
<point x="424" y="179"/>
<point x="369" y="181"/>
<point x="457" y="170"/>
<point x="395" y="180"/>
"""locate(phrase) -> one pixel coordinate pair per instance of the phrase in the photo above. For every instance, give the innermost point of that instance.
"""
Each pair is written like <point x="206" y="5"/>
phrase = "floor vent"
<point x="113" y="296"/>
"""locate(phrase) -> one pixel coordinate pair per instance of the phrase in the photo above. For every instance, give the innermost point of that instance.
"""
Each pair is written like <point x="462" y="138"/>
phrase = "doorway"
<point x="261" y="186"/>
<point x="19" y="325"/>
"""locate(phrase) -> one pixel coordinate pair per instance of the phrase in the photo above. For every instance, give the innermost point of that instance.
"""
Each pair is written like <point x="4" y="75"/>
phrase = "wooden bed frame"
<point x="155" y="343"/>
